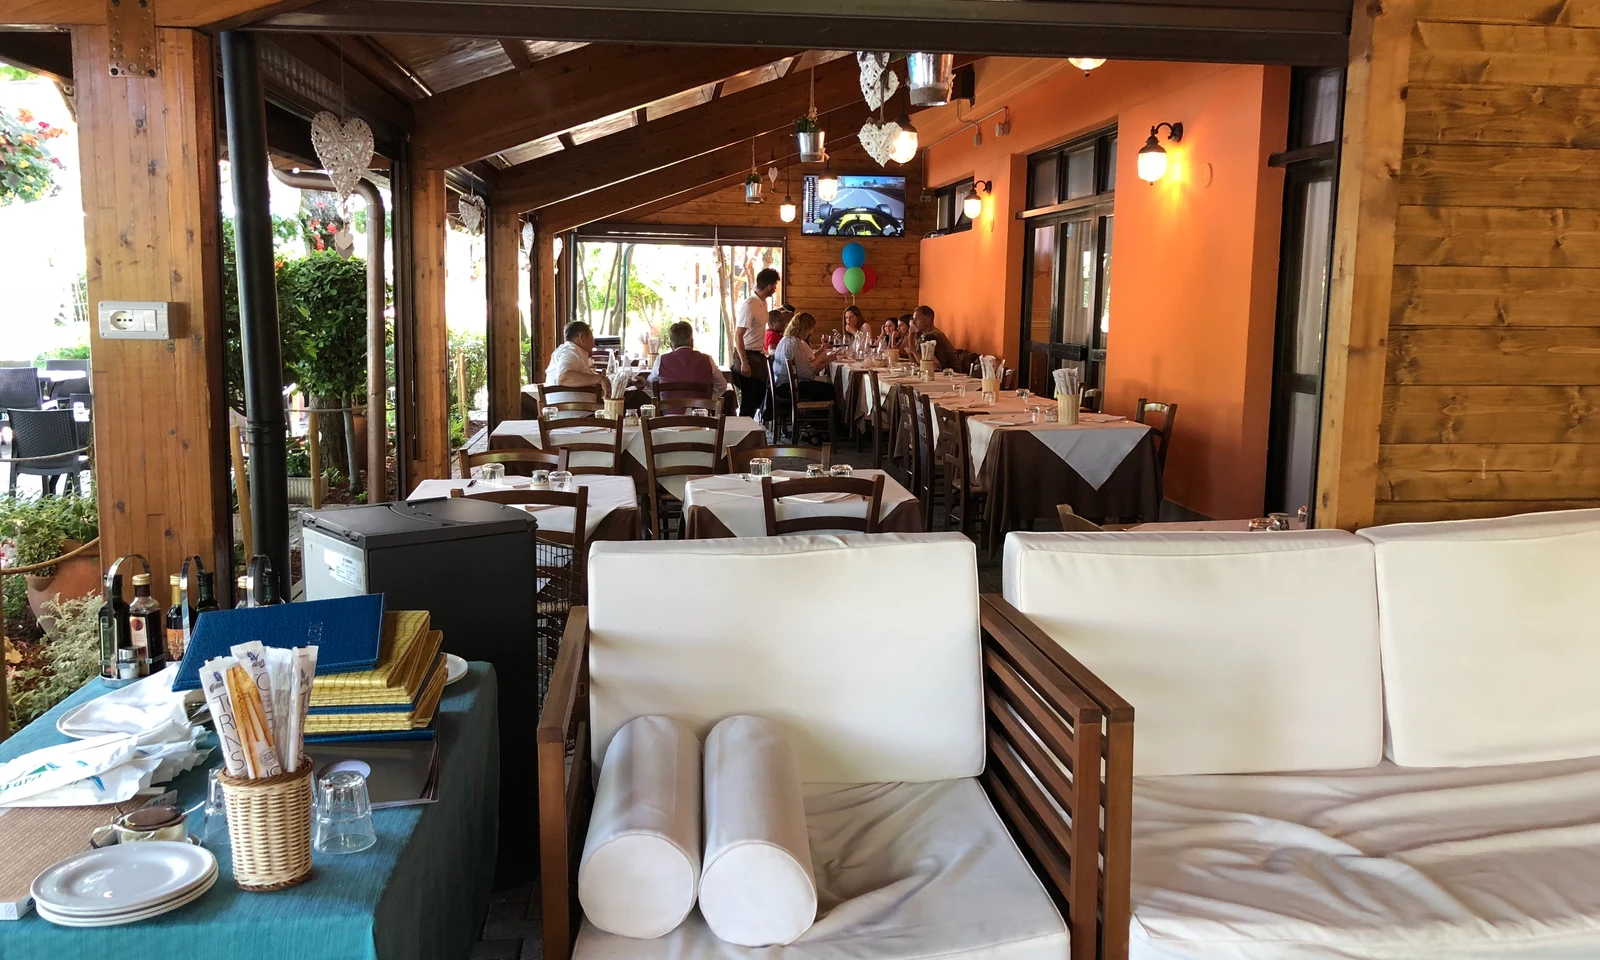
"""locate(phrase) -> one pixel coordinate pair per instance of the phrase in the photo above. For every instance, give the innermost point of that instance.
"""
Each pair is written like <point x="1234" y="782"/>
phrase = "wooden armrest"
<point x="564" y="794"/>
<point x="1060" y="744"/>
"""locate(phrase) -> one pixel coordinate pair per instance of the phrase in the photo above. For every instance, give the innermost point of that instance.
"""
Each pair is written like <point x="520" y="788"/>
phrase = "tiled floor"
<point x="512" y="930"/>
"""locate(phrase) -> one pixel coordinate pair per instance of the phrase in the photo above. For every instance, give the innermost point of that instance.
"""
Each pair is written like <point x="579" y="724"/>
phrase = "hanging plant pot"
<point x="929" y="76"/>
<point x="752" y="189"/>
<point x="811" y="144"/>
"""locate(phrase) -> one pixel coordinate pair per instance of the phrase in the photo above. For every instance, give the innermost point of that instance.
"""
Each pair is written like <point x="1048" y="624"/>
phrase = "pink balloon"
<point x="838" y="281"/>
<point x="872" y="278"/>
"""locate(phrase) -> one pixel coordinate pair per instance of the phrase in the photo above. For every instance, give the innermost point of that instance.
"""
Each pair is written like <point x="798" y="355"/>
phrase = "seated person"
<point x="923" y="329"/>
<point x="777" y="322"/>
<point x="889" y="334"/>
<point x="571" y="364"/>
<point x="682" y="363"/>
<point x="795" y="347"/>
<point x="854" y="323"/>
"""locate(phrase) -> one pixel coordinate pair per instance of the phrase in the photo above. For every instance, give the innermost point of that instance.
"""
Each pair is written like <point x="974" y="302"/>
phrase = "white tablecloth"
<point x="735" y="430"/>
<point x="939" y="386"/>
<point x="736" y="500"/>
<point x="605" y="495"/>
<point x="1094" y="447"/>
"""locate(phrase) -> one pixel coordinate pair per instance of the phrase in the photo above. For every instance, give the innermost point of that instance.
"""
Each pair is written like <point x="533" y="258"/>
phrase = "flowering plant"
<point x="27" y="170"/>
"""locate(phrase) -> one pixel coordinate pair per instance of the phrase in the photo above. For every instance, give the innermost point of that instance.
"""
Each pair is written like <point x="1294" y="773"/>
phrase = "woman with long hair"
<point x="795" y="348"/>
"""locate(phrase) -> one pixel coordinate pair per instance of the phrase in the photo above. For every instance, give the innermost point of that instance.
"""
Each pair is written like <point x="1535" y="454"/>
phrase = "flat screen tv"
<point x="863" y="207"/>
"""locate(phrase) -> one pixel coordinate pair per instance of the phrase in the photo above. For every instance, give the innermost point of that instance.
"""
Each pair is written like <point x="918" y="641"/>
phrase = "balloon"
<point x="854" y="255"/>
<point x="872" y="278"/>
<point x="855" y="279"/>
<point x="838" y="281"/>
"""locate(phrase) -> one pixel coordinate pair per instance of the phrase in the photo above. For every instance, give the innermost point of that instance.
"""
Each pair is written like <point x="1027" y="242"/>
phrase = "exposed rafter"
<point x="517" y="53"/>
<point x="217" y="14"/>
<point x="562" y="92"/>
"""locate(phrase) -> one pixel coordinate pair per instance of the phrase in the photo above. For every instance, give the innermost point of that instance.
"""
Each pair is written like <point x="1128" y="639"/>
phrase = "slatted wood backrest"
<point x="571" y="401"/>
<point x="1169" y="417"/>
<point x="772" y="492"/>
<point x="517" y="462"/>
<point x="601" y="440"/>
<point x="577" y="500"/>
<point x="676" y="398"/>
<point x="739" y="457"/>
<point x="694" y="458"/>
<point x="1061" y="741"/>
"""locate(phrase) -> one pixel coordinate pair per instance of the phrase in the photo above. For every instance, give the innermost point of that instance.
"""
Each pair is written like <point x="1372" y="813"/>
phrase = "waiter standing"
<point x="750" y="322"/>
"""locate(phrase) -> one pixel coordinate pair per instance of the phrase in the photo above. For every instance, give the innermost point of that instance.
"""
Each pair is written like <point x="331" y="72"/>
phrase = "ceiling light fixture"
<point x="1087" y="63"/>
<point x="828" y="182"/>
<point x="972" y="206"/>
<point x="905" y="142"/>
<point x="1153" y="156"/>
<point x="786" y="209"/>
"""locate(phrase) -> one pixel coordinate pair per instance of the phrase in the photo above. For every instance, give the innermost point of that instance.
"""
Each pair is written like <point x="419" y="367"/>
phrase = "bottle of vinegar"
<point x="147" y="627"/>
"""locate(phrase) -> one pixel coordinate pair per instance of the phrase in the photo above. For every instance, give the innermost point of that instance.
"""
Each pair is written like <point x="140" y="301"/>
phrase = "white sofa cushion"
<point x="1387" y="863"/>
<point x="815" y="632"/>
<point x="756" y="886"/>
<point x="1491" y="638"/>
<point x="1240" y="652"/>
<point x="905" y="871"/>
<point x="640" y="868"/>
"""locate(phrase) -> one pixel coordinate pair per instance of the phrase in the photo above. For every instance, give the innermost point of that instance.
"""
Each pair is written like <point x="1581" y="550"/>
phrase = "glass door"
<point x="1065" y="299"/>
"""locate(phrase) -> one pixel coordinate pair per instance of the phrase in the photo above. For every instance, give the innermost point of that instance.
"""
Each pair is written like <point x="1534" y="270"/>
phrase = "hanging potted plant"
<point x="752" y="187"/>
<point x="810" y="136"/>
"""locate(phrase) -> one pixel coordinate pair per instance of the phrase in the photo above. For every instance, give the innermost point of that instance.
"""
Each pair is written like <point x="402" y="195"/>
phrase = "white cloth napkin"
<point x="137" y="708"/>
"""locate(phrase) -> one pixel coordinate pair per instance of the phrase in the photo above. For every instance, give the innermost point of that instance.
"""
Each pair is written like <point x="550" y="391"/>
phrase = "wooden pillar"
<point x="1363" y="262"/>
<point x="431" y="458"/>
<point x="544" y="316"/>
<point x="147" y="147"/>
<point x="505" y="314"/>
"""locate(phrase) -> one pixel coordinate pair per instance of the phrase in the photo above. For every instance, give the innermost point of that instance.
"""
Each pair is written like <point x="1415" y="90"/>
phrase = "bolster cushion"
<point x="641" y="860"/>
<point x="757" y="888"/>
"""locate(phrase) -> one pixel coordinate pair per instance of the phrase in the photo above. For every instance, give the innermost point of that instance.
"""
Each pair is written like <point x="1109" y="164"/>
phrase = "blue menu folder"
<point x="346" y="631"/>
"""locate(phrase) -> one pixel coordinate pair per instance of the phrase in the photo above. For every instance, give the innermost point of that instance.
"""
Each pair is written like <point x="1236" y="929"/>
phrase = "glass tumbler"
<point x="814" y="470"/>
<point x="548" y="413"/>
<point x="760" y="467"/>
<point x="215" y="831"/>
<point x="1022" y="394"/>
<point x="343" y="814"/>
<point x="540" y="480"/>
<point x="494" y="474"/>
<point x="961" y="389"/>
<point x="561" y="481"/>
<point x="841" y="470"/>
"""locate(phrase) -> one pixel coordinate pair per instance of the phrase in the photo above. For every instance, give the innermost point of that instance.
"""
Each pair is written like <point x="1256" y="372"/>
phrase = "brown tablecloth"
<point x="701" y="523"/>
<point x="1026" y="481"/>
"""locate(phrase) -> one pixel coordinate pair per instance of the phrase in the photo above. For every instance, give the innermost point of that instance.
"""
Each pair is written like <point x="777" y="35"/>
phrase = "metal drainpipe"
<point x="377" y="368"/>
<point x="258" y="301"/>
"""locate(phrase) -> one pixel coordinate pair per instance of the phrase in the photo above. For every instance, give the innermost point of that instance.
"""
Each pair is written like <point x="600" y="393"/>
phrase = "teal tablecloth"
<point x="421" y="892"/>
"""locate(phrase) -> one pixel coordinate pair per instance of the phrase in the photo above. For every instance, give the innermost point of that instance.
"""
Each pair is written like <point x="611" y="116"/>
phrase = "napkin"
<point x="137" y="708"/>
<point x="106" y="769"/>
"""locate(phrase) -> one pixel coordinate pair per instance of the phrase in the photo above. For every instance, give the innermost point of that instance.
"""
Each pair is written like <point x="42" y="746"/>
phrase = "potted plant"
<point x="298" y="464"/>
<point x="752" y="187"/>
<point x="327" y="296"/>
<point x="810" y="136"/>
<point x="61" y="665"/>
<point x="39" y="529"/>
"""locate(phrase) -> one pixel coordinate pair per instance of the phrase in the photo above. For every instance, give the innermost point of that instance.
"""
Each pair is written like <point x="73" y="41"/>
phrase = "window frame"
<point x="948" y="207"/>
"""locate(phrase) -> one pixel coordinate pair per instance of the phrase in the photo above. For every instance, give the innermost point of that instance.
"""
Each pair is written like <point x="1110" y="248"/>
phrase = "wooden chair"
<point x="562" y="434"/>
<point x="685" y="397"/>
<point x="771" y="410"/>
<point x="881" y="419"/>
<point x="926" y="479"/>
<point x="1092" y="400"/>
<point x="771" y="493"/>
<point x="571" y="401"/>
<point x="903" y="433"/>
<point x="518" y="463"/>
<point x="702" y="462"/>
<point x="965" y="498"/>
<point x="739" y="457"/>
<point x="1072" y="523"/>
<point x="806" y="412"/>
<point x="1163" y="432"/>
<point x="578" y="500"/>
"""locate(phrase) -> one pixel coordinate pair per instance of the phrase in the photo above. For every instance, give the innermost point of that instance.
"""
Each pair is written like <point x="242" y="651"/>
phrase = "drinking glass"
<point x="215" y="830"/>
<point x="540" y="480"/>
<point x="548" y="413"/>
<point x="814" y="470"/>
<point x="961" y="389"/>
<point x="699" y="412"/>
<point x="1260" y="524"/>
<point x="343" y="814"/>
<point x="1033" y="414"/>
<point x="1051" y="415"/>
<point x="561" y="481"/>
<point x="1022" y="394"/>
<point x="760" y="467"/>
<point x="841" y="470"/>
<point x="494" y="474"/>
<point x="989" y="397"/>
<point x="647" y="411"/>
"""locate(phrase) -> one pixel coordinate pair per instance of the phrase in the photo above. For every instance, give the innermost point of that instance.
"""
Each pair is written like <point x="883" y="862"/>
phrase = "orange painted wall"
<point x="1194" y="258"/>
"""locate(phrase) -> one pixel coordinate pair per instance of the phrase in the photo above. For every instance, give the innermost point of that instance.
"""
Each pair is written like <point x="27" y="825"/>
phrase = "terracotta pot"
<point x="74" y="578"/>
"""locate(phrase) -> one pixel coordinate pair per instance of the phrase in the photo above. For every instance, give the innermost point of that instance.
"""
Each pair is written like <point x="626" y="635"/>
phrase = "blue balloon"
<point x="854" y="255"/>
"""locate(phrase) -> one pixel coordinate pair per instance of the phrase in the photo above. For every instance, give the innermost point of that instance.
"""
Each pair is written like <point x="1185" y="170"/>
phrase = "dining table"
<point x="421" y="892"/>
<point x="730" y="505"/>
<point x="611" y="512"/>
<point x="736" y="432"/>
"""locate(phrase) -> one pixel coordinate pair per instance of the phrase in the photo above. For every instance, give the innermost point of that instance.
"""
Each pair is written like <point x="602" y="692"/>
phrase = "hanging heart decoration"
<point x="470" y="209"/>
<point x="344" y="148"/>
<point x="772" y="174"/>
<point x="878" y="82"/>
<point x="878" y="140"/>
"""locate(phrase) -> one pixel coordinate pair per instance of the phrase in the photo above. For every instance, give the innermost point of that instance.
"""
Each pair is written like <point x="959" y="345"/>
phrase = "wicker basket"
<point x="613" y="408"/>
<point x="270" y="824"/>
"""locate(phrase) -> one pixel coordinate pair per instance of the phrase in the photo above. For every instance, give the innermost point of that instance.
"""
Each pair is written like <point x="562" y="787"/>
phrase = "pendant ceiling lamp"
<point x="1087" y="63"/>
<point x="904" y="149"/>
<point x="828" y="182"/>
<point x="786" y="209"/>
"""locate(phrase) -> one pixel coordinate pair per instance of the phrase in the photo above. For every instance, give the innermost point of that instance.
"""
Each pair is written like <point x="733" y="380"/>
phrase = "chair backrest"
<point x="43" y="433"/>
<point x="1169" y="416"/>
<point x="67" y="365"/>
<point x="885" y="693"/>
<point x="571" y="402"/>
<point x="668" y="452"/>
<point x="64" y="388"/>
<point x="1242" y="652"/>
<point x="517" y="462"/>
<point x="85" y="400"/>
<point x="927" y="462"/>
<point x="1093" y="397"/>
<point x="593" y="444"/>
<point x="19" y="388"/>
<point x="950" y="450"/>
<point x="1072" y="523"/>
<point x="1488" y="634"/>
<point x="870" y="489"/>
<point x="739" y="457"/>
<point x="674" y="398"/>
<point x="577" y="500"/>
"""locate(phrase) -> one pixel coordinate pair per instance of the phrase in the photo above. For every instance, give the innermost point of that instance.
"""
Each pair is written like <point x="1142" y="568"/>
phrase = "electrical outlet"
<point x="134" y="320"/>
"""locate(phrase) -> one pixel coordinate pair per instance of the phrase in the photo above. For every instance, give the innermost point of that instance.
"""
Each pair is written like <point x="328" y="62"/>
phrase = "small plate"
<point x="454" y="668"/>
<point x="71" y="920"/>
<point x="122" y="878"/>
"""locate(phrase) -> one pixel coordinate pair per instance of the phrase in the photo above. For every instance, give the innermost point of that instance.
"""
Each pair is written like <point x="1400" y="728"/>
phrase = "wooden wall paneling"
<point x="1483" y="175"/>
<point x="504" y="237"/>
<point x="1506" y="356"/>
<point x="1488" y="471"/>
<point x="431" y="388"/>
<point x="1481" y="54"/>
<point x="1423" y="511"/>
<point x="1570" y="13"/>
<point x="1498" y="237"/>
<point x="151" y="218"/>
<point x="1363" y="262"/>
<point x="1453" y="413"/>
<point x="1495" y="296"/>
<point x="1536" y="115"/>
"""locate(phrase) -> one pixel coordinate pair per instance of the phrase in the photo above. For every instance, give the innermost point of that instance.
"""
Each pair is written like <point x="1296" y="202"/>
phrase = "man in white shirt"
<point x="571" y="365"/>
<point x="750" y="326"/>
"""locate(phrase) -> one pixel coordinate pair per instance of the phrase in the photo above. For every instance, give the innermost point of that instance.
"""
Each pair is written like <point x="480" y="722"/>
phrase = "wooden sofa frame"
<point x="1047" y="719"/>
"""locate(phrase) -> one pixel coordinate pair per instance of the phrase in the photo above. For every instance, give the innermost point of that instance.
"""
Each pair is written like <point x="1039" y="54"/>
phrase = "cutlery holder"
<point x="990" y="385"/>
<point x="1067" y="407"/>
<point x="270" y="824"/>
<point x="613" y="408"/>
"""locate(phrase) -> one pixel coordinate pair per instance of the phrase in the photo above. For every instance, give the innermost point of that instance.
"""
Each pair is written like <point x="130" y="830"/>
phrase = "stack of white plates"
<point x="123" y="883"/>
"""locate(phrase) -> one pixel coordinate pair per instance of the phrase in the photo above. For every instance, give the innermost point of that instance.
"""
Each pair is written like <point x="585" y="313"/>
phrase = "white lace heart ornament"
<point x="470" y="210"/>
<point x="878" y="82"/>
<point x="343" y="148"/>
<point x="878" y="140"/>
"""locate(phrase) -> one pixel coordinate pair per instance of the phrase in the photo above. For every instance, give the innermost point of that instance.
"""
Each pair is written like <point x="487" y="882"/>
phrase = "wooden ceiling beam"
<point x="381" y="66"/>
<point x="517" y="53"/>
<point x="718" y="165"/>
<point x="210" y="14"/>
<point x="728" y="120"/>
<point x="562" y="92"/>
<point x="366" y="96"/>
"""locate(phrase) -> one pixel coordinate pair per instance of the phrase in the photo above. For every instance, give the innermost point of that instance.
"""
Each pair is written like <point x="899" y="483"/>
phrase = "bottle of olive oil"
<point x="177" y="637"/>
<point x="116" y="643"/>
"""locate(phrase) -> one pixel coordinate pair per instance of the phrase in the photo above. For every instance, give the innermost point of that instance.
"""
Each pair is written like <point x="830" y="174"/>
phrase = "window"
<point x="1079" y="170"/>
<point x="949" y="217"/>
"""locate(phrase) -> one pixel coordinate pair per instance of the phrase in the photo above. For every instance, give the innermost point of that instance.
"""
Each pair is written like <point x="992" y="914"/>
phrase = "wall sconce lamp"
<point x="1152" y="156"/>
<point x="972" y="206"/>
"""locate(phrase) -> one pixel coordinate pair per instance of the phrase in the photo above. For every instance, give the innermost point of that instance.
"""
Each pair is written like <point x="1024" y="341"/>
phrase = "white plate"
<point x="68" y="920"/>
<point x="122" y="878"/>
<point x="454" y="668"/>
<point x="182" y="896"/>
